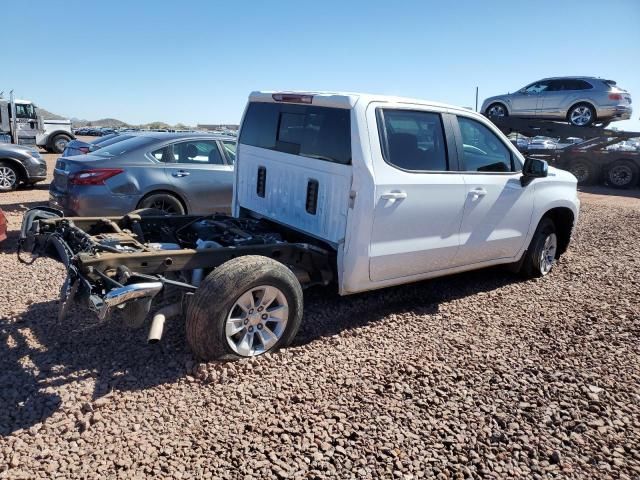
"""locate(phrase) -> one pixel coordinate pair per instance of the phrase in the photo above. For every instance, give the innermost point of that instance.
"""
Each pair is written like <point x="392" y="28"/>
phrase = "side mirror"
<point x="533" y="168"/>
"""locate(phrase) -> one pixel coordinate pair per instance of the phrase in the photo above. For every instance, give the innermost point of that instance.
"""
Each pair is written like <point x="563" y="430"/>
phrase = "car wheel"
<point x="59" y="143"/>
<point x="541" y="254"/>
<point x="581" y="115"/>
<point x="165" y="202"/>
<point x="584" y="170"/>
<point x="9" y="177"/>
<point x="622" y="174"/>
<point x="497" y="110"/>
<point x="246" y="307"/>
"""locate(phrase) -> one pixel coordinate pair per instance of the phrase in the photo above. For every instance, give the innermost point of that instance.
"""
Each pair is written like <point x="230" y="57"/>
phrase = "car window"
<point x="124" y="146"/>
<point x="230" y="150"/>
<point x="537" y="87"/>
<point x="307" y="131"/>
<point x="193" y="151"/>
<point x="413" y="140"/>
<point x="483" y="151"/>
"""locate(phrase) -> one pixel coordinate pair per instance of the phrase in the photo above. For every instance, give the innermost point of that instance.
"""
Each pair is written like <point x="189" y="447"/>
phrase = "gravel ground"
<point x="477" y="375"/>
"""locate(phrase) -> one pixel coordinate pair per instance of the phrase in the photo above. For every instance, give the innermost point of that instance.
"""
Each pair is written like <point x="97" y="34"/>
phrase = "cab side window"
<point x="413" y="140"/>
<point x="483" y="151"/>
<point x="197" y="152"/>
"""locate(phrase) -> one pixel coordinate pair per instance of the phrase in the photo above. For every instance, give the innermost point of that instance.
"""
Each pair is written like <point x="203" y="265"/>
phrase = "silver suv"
<point x="582" y="101"/>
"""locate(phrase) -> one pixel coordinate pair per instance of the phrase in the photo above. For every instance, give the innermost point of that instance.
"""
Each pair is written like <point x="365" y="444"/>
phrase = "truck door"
<point x="498" y="209"/>
<point x="418" y="201"/>
<point x="201" y="175"/>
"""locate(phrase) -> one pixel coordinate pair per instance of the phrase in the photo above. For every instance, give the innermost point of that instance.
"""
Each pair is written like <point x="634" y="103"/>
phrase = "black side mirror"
<point x="533" y="168"/>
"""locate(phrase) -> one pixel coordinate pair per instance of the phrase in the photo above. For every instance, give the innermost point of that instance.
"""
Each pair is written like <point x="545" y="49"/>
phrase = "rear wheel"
<point x="541" y="254"/>
<point x="164" y="202"/>
<point x="581" y="115"/>
<point x="246" y="307"/>
<point x="497" y="110"/>
<point x="9" y="177"/>
<point x="584" y="170"/>
<point x="622" y="174"/>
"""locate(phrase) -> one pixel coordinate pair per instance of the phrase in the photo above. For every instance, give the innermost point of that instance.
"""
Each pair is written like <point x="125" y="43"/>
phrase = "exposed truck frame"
<point x="590" y="160"/>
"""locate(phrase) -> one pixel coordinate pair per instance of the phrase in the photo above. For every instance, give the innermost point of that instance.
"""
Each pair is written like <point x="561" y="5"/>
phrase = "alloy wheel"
<point x="548" y="254"/>
<point x="257" y="321"/>
<point x="8" y="178"/>
<point x="580" y="116"/>
<point x="497" y="111"/>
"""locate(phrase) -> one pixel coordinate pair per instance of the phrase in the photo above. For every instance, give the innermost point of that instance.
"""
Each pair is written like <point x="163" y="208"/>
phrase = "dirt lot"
<point x="477" y="375"/>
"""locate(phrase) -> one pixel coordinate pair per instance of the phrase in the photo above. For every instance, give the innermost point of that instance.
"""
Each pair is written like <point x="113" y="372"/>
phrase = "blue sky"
<point x="195" y="61"/>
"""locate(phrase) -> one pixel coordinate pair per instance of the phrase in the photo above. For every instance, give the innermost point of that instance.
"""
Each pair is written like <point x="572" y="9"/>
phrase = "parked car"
<point x="541" y="143"/>
<point x="437" y="190"/>
<point x="20" y="164"/>
<point x="3" y="226"/>
<point x="582" y="101"/>
<point x="173" y="172"/>
<point x="80" y="147"/>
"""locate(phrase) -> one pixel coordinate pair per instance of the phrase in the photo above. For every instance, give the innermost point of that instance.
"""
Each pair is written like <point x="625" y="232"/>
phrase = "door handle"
<point x="393" y="195"/>
<point x="180" y="173"/>
<point x="478" y="192"/>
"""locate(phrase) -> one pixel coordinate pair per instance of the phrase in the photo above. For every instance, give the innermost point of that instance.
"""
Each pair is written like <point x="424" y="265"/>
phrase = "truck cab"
<point x="401" y="189"/>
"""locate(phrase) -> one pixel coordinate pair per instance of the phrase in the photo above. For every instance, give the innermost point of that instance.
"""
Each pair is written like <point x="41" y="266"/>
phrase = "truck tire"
<point x="9" y="177"/>
<point x="542" y="252"/>
<point x="59" y="143"/>
<point x="248" y="306"/>
<point x="622" y="174"/>
<point x="585" y="171"/>
<point x="164" y="202"/>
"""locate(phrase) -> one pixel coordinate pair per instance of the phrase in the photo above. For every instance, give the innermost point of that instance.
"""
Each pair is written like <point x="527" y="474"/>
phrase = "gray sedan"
<point x="177" y="173"/>
<point x="582" y="101"/>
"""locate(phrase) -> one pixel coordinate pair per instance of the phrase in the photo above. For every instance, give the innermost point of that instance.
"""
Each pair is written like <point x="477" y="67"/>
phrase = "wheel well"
<point x="53" y="135"/>
<point x="563" y="219"/>
<point x="166" y="192"/>
<point x="22" y="172"/>
<point x="593" y="107"/>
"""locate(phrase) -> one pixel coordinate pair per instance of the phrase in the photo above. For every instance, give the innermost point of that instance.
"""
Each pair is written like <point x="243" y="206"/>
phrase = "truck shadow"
<point x="21" y="207"/>
<point x="40" y="358"/>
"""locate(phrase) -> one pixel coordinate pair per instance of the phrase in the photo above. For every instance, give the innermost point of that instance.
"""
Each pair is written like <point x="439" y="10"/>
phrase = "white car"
<point x="364" y="191"/>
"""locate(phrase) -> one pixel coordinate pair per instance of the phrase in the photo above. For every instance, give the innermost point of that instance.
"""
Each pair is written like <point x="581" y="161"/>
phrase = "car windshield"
<point x="124" y="146"/>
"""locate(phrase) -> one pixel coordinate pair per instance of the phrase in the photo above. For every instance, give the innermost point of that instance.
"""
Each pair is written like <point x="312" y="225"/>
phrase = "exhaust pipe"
<point x="157" y="324"/>
<point x="118" y="296"/>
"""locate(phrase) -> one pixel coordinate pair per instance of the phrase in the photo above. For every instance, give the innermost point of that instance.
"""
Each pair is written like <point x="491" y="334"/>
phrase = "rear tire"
<point x="9" y="177"/>
<point x="622" y="174"/>
<point x="542" y="252"/>
<point x="165" y="202"/>
<point x="585" y="171"/>
<point x="581" y="115"/>
<point x="229" y="318"/>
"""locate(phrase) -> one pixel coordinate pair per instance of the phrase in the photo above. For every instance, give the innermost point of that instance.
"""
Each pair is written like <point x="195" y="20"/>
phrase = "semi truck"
<point x="22" y="124"/>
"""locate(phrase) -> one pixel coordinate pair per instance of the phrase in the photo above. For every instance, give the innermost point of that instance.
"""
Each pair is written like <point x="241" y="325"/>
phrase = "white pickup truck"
<point x="362" y="191"/>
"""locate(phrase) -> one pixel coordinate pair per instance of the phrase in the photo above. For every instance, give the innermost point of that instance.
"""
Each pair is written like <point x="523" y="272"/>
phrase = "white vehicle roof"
<point x="346" y="99"/>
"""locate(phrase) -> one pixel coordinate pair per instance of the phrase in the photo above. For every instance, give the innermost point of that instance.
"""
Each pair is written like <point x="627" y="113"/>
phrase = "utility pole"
<point x="476" y="98"/>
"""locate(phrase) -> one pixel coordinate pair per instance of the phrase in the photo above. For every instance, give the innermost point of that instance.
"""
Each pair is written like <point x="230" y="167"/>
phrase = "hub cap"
<point x="257" y="321"/>
<point x="548" y="255"/>
<point x="8" y="177"/>
<point x="620" y="175"/>
<point x="61" y="144"/>
<point x="580" y="116"/>
<point x="497" y="111"/>
<point x="580" y="171"/>
<point x="163" y="206"/>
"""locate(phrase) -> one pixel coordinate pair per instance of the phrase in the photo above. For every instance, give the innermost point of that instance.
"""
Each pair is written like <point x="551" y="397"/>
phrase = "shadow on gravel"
<point x="617" y="192"/>
<point x="422" y="298"/>
<point x="38" y="356"/>
<point x="20" y="207"/>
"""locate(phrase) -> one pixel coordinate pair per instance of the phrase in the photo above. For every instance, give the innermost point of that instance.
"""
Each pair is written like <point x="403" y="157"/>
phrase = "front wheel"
<point x="59" y="143"/>
<point x="541" y="254"/>
<point x="9" y="177"/>
<point x="246" y="307"/>
<point x="497" y="110"/>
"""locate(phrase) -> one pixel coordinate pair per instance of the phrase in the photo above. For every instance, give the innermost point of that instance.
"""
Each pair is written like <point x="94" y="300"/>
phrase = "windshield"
<point x="123" y="147"/>
<point x="25" y="111"/>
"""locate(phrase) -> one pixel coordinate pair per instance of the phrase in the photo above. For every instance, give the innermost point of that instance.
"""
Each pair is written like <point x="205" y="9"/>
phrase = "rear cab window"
<point x="309" y="131"/>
